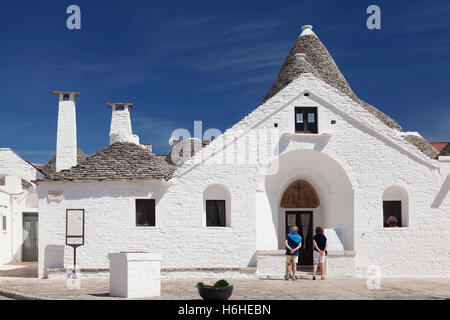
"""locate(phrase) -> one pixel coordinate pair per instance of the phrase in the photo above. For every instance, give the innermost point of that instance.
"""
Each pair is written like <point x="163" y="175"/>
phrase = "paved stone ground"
<point x="20" y="281"/>
<point x="303" y="289"/>
<point x="19" y="270"/>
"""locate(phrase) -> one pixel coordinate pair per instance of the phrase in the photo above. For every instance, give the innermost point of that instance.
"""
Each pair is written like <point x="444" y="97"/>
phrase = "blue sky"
<point x="180" y="61"/>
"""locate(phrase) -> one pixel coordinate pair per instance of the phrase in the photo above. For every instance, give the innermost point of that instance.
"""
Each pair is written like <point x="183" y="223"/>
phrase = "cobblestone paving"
<point x="304" y="289"/>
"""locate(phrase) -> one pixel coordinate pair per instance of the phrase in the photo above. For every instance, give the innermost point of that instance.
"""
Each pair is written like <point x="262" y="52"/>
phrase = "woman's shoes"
<point x="322" y="278"/>
<point x="314" y="277"/>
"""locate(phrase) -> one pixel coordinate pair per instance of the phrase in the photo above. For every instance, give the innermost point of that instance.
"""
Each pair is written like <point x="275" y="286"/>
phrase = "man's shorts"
<point x="290" y="259"/>
<point x="318" y="258"/>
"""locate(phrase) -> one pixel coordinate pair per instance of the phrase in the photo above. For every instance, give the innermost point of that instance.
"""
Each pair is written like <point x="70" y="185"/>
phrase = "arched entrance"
<point x="299" y="200"/>
<point x="326" y="193"/>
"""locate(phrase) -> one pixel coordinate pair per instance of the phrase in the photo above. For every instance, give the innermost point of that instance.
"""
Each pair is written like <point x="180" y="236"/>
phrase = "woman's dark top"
<point x="321" y="241"/>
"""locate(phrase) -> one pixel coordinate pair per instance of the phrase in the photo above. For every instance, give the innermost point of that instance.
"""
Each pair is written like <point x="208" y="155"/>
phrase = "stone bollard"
<point x="135" y="274"/>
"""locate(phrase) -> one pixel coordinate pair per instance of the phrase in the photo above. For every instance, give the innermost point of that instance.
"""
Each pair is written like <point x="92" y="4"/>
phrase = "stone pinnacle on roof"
<point x="320" y="64"/>
<point x="307" y="30"/>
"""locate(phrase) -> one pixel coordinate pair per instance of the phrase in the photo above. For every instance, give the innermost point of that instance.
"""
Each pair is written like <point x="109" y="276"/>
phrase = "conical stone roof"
<point x="318" y="61"/>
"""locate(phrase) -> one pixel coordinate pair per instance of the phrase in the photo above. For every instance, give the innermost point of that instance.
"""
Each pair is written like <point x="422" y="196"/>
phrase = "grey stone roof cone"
<point x="318" y="61"/>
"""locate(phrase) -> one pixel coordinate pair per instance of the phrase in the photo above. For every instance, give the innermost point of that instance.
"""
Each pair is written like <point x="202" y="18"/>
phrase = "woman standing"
<point x="320" y="244"/>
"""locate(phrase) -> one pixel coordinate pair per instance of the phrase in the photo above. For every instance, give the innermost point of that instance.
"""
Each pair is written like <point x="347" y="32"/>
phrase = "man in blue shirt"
<point x="293" y="243"/>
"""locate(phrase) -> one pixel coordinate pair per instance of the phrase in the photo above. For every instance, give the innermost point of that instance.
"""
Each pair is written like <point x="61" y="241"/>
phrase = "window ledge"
<point x="308" y="135"/>
<point x="146" y="228"/>
<point x="219" y="228"/>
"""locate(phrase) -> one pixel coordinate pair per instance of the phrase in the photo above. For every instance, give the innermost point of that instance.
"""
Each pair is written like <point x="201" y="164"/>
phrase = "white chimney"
<point x="66" y="140"/>
<point x="121" y="130"/>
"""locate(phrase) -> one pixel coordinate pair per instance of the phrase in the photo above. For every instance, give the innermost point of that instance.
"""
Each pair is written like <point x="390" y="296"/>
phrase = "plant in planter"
<point x="392" y="222"/>
<point x="221" y="290"/>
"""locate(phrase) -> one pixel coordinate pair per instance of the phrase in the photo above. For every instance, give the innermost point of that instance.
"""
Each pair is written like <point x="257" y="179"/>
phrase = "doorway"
<point x="304" y="222"/>
<point x="30" y="237"/>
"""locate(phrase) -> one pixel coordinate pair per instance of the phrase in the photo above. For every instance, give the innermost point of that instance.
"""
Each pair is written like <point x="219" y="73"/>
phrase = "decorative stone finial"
<point x="307" y="30"/>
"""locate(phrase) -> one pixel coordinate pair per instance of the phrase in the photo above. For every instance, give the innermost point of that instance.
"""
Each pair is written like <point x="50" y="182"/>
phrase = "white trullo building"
<point x="311" y="154"/>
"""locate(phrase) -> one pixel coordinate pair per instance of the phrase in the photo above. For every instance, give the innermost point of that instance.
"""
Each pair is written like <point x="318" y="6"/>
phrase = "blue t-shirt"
<point x="293" y="243"/>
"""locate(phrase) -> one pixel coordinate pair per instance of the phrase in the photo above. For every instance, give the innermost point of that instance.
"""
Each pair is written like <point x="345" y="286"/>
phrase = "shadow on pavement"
<point x="22" y="270"/>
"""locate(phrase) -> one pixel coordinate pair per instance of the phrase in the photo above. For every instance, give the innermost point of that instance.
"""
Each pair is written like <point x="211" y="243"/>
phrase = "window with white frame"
<point x="217" y="204"/>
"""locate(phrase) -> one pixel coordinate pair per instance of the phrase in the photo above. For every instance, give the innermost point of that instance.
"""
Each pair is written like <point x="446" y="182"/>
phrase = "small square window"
<point x="145" y="213"/>
<point x="306" y="120"/>
<point x="215" y="213"/>
<point x="4" y="223"/>
<point x="66" y="97"/>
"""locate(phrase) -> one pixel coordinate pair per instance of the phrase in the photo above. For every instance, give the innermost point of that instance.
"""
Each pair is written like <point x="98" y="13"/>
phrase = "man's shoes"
<point x="290" y="276"/>
<point x="294" y="278"/>
<point x="286" y="278"/>
<point x="314" y="277"/>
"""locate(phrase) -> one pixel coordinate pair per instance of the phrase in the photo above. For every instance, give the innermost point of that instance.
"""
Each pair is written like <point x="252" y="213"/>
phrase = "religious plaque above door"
<point x="300" y="194"/>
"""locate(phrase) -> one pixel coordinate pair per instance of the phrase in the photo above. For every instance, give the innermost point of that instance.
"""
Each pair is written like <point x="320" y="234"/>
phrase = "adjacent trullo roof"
<point x="309" y="55"/>
<point x="50" y="167"/>
<point x="119" y="161"/>
<point x="445" y="151"/>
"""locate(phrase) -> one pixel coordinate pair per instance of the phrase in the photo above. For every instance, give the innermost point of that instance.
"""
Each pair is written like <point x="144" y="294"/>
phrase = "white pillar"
<point x="66" y="141"/>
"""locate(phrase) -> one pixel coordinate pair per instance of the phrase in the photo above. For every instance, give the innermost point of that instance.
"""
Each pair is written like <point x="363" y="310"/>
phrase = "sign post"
<point x="74" y="233"/>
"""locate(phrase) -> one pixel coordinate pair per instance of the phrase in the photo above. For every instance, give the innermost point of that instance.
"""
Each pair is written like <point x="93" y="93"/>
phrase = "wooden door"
<point x="30" y="237"/>
<point x="304" y="222"/>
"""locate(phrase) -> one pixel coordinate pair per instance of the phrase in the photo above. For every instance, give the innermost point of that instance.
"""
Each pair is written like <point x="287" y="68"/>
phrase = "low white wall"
<point x="166" y="274"/>
<point x="271" y="264"/>
<point x="340" y="264"/>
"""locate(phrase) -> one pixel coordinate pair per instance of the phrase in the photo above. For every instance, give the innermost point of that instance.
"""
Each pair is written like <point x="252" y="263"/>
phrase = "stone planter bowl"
<point x="213" y="293"/>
